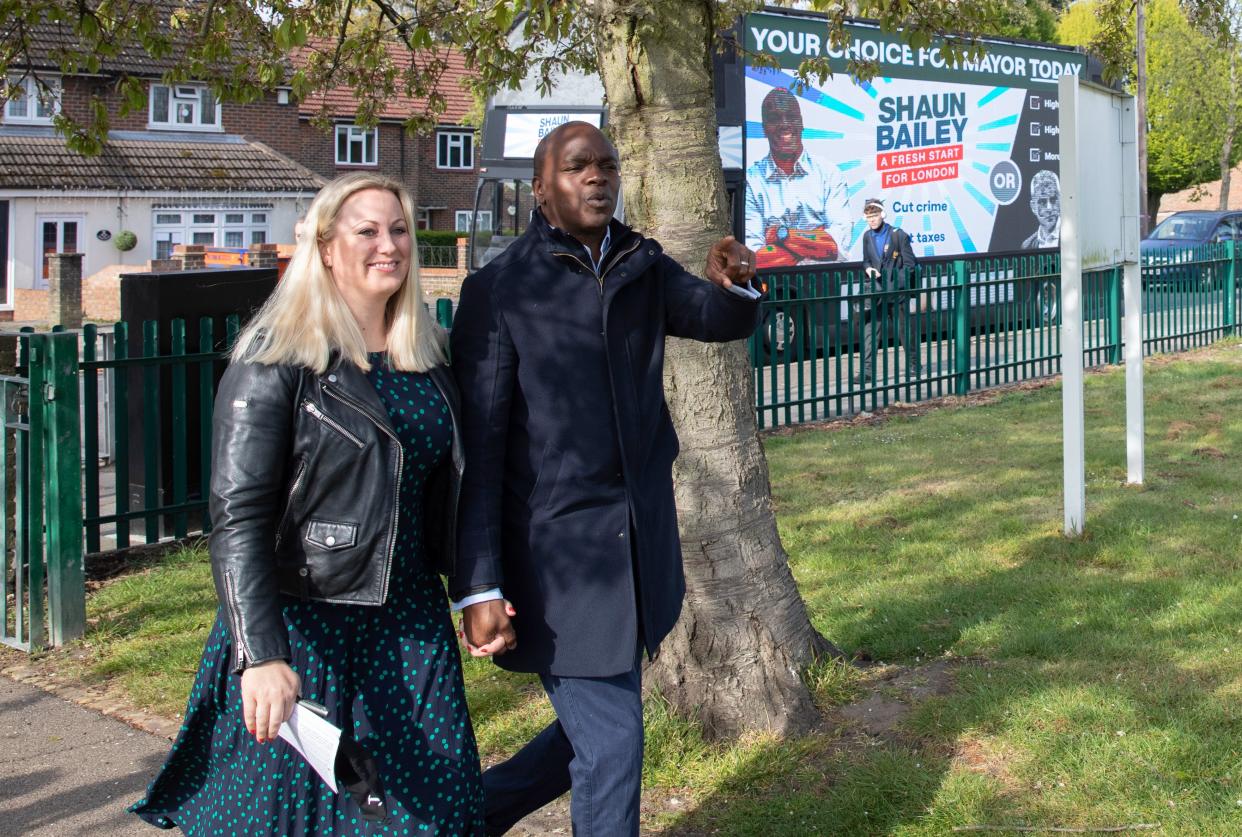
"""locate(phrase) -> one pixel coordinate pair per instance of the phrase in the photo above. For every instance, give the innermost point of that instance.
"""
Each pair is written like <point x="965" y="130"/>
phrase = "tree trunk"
<point x="1231" y="128"/>
<point x="736" y="657"/>
<point x="1140" y="99"/>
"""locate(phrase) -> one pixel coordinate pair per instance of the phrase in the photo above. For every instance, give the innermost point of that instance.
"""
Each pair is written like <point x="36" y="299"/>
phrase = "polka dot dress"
<point x="391" y="675"/>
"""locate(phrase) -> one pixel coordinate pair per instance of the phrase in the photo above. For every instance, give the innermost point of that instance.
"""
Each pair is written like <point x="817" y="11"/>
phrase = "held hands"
<point x="269" y="691"/>
<point x="729" y="262"/>
<point x="486" y="629"/>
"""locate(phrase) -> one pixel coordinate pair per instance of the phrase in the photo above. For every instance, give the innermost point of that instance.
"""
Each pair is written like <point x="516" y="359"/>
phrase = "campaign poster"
<point x="965" y="157"/>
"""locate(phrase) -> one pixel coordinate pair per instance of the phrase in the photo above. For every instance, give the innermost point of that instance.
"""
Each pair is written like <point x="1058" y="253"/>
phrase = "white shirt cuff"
<point x="485" y="596"/>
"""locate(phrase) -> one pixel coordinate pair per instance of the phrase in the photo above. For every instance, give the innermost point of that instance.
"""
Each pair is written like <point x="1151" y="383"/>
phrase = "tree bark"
<point x="736" y="657"/>
<point x="1140" y="98"/>
<point x="1231" y="128"/>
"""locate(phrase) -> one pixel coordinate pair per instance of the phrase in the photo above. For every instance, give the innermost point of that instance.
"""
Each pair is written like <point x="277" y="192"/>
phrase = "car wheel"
<point x="1047" y="303"/>
<point x="782" y="336"/>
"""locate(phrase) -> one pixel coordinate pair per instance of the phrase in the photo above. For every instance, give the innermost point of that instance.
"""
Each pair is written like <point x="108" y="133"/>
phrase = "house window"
<point x="454" y="150"/>
<point x="461" y="219"/>
<point x="61" y="234"/>
<point x="184" y="107"/>
<point x="225" y="226"/>
<point x="31" y="105"/>
<point x="422" y="219"/>
<point x="356" y="146"/>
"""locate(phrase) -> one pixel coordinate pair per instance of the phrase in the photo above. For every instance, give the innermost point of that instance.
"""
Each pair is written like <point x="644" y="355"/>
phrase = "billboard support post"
<point x="1072" y="423"/>
<point x="1099" y="231"/>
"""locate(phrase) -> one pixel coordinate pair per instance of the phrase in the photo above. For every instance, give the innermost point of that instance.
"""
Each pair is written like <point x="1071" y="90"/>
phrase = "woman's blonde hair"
<point x="306" y="319"/>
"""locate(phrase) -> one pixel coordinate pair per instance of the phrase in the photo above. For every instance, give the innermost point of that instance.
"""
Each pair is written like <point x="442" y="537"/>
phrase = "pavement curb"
<point x="97" y="699"/>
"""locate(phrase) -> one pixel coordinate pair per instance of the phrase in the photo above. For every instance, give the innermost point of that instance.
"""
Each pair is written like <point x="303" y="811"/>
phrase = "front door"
<point x="57" y="234"/>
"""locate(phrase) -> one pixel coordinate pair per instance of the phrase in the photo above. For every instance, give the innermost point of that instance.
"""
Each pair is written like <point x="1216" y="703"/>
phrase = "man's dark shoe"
<point x="861" y="379"/>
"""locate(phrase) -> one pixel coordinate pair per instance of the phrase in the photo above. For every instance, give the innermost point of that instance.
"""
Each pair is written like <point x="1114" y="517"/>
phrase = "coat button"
<point x="303" y="572"/>
<point x="330" y="541"/>
<point x="332" y="378"/>
<point x="621" y="534"/>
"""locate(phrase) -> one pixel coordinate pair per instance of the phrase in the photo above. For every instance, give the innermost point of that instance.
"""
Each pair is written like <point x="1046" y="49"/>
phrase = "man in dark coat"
<point x="888" y="261"/>
<point x="567" y="499"/>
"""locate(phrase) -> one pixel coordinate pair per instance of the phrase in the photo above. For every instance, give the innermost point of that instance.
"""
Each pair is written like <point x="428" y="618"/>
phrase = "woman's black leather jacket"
<point x="305" y="479"/>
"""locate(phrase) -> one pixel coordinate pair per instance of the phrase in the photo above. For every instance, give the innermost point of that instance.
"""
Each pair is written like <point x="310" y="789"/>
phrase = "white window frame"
<point x="59" y="219"/>
<point x="183" y="231"/>
<point x="30" y="95"/>
<point x="190" y="95"/>
<point x="448" y="141"/>
<point x="356" y="137"/>
<point x="461" y="220"/>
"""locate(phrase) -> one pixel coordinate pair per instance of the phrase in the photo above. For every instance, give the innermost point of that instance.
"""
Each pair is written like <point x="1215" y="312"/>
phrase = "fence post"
<point x="1231" y="287"/>
<point x="1114" y="315"/>
<point x="444" y="312"/>
<point x="66" y="583"/>
<point x="961" y="327"/>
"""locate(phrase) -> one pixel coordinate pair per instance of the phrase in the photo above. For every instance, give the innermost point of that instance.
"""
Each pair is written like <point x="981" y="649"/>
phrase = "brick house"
<point x="440" y="169"/>
<point x="189" y="169"/>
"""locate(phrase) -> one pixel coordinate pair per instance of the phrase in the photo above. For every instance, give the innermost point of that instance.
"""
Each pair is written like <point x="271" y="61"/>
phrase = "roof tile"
<point x="28" y="162"/>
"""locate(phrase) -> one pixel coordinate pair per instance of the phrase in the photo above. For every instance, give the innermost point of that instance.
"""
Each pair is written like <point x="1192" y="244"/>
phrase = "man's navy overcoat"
<point x="567" y="497"/>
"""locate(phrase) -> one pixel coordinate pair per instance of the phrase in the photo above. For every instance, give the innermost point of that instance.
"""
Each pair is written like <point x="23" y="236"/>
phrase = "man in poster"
<point x="888" y="262"/>
<point x="1046" y="205"/>
<point x="797" y="211"/>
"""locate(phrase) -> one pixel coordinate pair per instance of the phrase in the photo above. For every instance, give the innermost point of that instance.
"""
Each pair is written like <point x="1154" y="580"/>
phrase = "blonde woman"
<point x="335" y="466"/>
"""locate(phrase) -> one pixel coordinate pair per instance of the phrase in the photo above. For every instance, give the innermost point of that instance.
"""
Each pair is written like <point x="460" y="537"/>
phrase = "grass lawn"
<point x="1040" y="681"/>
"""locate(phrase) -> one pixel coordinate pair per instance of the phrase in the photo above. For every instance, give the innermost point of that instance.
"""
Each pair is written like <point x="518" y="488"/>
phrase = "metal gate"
<point x="42" y="581"/>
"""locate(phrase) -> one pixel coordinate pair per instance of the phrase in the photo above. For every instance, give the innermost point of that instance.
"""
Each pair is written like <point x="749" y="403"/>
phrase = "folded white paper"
<point x="744" y="291"/>
<point x="316" y="739"/>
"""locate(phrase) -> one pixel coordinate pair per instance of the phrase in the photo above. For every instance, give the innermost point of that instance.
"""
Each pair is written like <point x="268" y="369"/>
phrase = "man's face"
<point x="1046" y="204"/>
<point x="577" y="188"/>
<point x="782" y="125"/>
<point x="874" y="218"/>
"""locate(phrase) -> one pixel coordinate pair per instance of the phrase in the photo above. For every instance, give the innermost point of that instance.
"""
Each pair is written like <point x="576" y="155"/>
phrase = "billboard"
<point x="965" y="157"/>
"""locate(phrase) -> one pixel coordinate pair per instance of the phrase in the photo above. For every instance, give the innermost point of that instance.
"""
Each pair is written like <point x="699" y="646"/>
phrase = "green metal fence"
<point x="41" y="572"/>
<point x="161" y="399"/>
<point x="970" y="324"/>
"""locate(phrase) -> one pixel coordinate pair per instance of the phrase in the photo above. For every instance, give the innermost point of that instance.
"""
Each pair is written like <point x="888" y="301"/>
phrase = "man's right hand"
<point x="486" y="628"/>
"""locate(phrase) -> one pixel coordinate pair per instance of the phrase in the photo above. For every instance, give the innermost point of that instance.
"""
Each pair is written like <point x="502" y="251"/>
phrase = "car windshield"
<point x="1184" y="226"/>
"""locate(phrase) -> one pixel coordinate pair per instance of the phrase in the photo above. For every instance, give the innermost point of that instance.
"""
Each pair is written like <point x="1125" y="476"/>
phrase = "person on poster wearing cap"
<point x="888" y="262"/>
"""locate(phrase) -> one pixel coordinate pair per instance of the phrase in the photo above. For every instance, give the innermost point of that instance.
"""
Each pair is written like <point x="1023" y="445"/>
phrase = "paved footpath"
<point x="68" y="771"/>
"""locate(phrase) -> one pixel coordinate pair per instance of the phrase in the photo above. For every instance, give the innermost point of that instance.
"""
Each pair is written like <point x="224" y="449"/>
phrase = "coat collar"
<point x="627" y="245"/>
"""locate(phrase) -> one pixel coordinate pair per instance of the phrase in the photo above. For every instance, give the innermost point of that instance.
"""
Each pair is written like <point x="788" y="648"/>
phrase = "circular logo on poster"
<point x="1005" y="181"/>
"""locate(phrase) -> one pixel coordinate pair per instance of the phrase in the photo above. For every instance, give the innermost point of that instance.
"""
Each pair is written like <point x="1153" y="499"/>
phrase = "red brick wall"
<point x="451" y="188"/>
<point x="265" y="121"/>
<point x="317" y="151"/>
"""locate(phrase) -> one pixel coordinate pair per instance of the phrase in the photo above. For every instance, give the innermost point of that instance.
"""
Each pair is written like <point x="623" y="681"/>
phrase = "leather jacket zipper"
<point x="396" y="486"/>
<point x="230" y="589"/>
<point x="293" y="490"/>
<point x="325" y="419"/>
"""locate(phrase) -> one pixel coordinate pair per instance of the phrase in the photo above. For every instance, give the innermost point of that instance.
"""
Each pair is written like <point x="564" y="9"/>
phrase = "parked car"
<point x="1180" y="251"/>
<point x="1192" y="228"/>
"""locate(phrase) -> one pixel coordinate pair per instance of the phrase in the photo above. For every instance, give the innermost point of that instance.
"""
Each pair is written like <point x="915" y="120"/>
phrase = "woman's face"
<point x="369" y="253"/>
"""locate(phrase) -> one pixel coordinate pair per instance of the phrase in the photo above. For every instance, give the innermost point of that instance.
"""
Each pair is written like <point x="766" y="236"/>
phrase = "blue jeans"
<point x="595" y="746"/>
